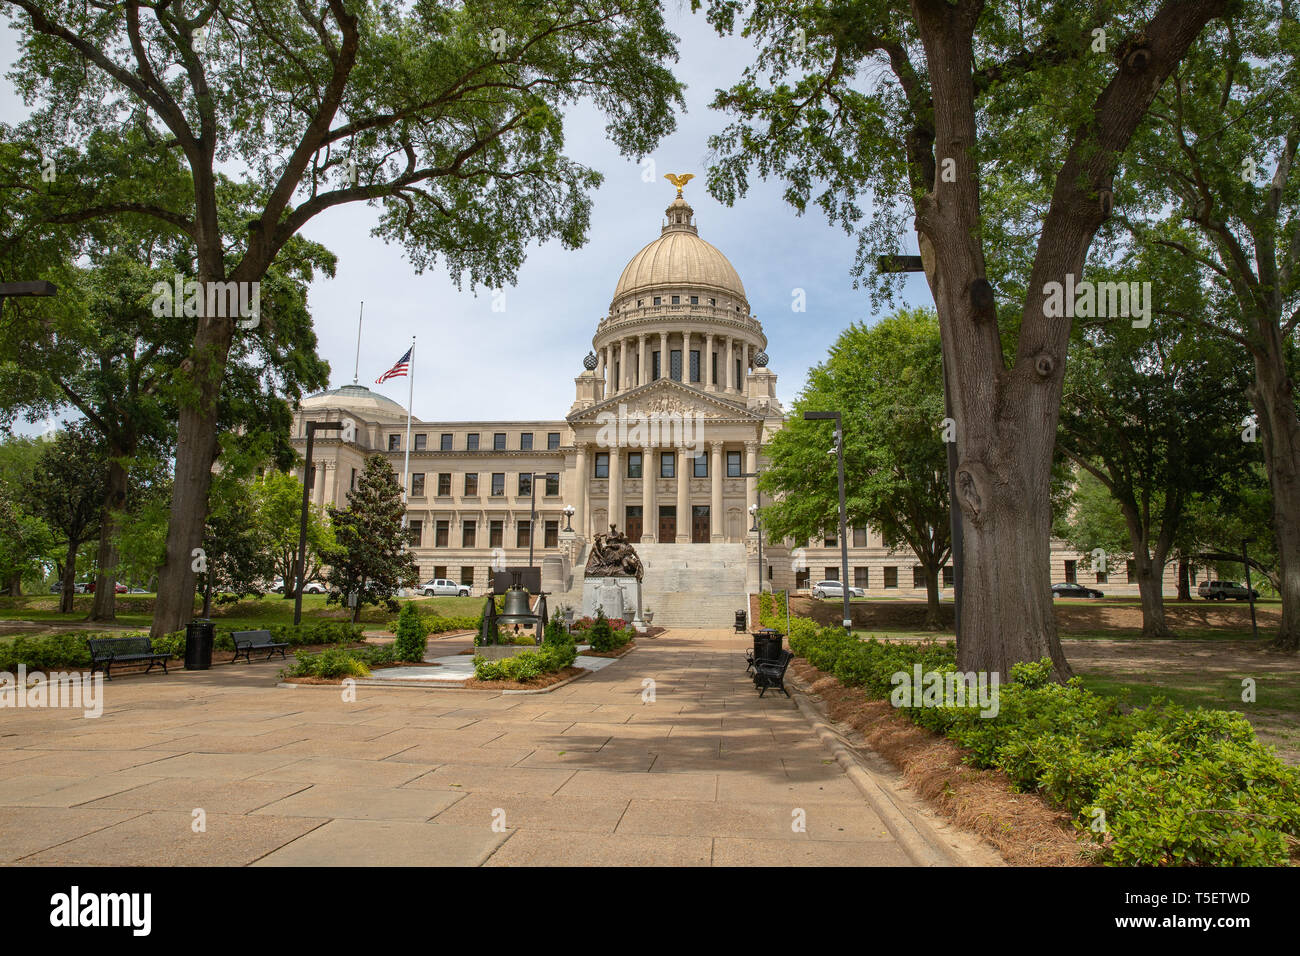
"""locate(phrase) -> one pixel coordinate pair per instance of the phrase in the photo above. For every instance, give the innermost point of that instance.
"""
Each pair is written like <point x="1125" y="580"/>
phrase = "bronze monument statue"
<point x="612" y="555"/>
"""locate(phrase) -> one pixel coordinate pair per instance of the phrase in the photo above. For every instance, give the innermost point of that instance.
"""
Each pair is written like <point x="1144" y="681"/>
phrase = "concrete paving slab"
<point x="537" y="847"/>
<point x="388" y="843"/>
<point x="467" y="778"/>
<point x="362" y="803"/>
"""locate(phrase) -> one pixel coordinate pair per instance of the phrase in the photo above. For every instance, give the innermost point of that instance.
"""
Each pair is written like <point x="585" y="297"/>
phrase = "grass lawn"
<point x="135" y="611"/>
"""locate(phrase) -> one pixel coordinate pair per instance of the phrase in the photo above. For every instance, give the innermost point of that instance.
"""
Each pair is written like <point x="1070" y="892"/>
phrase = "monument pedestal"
<point x="618" y="597"/>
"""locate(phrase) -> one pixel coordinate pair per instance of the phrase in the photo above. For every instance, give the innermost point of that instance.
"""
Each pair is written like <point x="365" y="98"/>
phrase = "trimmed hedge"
<point x="335" y="662"/>
<point x="1160" y="785"/>
<point x="557" y="652"/>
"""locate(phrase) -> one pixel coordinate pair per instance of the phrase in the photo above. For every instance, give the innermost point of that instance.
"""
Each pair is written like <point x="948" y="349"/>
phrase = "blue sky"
<point x="473" y="363"/>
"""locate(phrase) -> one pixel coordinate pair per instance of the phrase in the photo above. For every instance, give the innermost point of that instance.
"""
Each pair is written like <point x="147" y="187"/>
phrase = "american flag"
<point x="397" y="371"/>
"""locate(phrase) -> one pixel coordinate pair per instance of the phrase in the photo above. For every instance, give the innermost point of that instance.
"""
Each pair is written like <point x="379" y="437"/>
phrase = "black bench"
<point x="107" y="651"/>
<point x="767" y="646"/>
<point x="772" y="673"/>
<point x="248" y="641"/>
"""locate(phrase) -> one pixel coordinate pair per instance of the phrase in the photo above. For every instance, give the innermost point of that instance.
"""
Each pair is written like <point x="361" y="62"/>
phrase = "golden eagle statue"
<point x="679" y="180"/>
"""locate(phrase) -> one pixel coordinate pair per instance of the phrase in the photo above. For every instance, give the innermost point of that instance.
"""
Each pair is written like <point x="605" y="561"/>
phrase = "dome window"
<point x="657" y="300"/>
<point x="677" y="300"/>
<point x="713" y="301"/>
<point x="695" y="300"/>
<point x="638" y="302"/>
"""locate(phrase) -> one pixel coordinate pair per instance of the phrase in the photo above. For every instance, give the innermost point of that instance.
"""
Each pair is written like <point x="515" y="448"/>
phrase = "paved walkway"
<point x="220" y="767"/>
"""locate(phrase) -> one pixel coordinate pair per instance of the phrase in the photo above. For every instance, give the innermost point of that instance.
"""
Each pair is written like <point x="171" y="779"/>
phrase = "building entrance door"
<point x="633" y="528"/>
<point x="700" y="524"/>
<point x="667" y="523"/>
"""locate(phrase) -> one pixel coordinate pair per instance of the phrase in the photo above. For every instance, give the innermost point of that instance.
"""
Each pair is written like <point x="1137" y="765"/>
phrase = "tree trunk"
<point x="1279" y="431"/>
<point x="1184" y="580"/>
<point x="196" y="450"/>
<point x="69" y="577"/>
<point x="933" y="620"/>
<point x="15" y="586"/>
<point x="1151" y="590"/>
<point x="104" y="607"/>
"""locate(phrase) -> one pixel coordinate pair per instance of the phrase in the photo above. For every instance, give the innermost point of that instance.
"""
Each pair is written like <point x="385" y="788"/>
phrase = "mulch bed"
<point x="542" y="680"/>
<point x="616" y="652"/>
<point x="1020" y="826"/>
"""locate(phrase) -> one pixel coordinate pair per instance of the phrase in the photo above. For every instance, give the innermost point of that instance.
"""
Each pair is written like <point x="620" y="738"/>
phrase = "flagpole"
<point x="356" y="369"/>
<point x="410" y="400"/>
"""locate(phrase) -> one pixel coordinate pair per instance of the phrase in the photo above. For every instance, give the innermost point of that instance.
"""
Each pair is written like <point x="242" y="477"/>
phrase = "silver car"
<point x="833" y="589"/>
<point x="441" y="587"/>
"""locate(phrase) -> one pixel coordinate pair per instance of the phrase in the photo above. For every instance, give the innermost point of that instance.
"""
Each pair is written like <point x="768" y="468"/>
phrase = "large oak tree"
<point x="921" y="109"/>
<point x="448" y="115"/>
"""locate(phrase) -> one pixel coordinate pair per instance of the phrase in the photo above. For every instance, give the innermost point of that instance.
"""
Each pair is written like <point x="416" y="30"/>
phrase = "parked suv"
<point x="833" y="589"/>
<point x="1222" y="590"/>
<point x="440" y="587"/>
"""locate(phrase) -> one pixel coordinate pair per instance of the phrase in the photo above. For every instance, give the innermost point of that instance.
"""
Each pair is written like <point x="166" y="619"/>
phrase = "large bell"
<point x="518" y="612"/>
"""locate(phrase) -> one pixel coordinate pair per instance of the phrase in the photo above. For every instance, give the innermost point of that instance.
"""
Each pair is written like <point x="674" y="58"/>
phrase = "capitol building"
<point x="663" y="439"/>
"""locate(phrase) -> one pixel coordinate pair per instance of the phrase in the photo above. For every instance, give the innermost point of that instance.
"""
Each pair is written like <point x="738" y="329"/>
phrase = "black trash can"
<point x="767" y="645"/>
<point x="740" y="622"/>
<point x="199" y="637"/>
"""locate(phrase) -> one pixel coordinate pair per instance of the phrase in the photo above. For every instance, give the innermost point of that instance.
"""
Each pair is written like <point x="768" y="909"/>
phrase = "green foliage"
<point x="370" y="558"/>
<point x="552" y="657"/>
<point x="1173" y="785"/>
<point x="330" y="663"/>
<point x="411" y="635"/>
<point x="604" y="636"/>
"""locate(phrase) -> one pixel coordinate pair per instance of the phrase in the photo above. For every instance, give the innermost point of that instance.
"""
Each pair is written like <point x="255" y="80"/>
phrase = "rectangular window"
<point x="552" y="441"/>
<point x="667" y="464"/>
<point x="439" y="571"/>
<point x="417" y="484"/>
<point x="713" y="362"/>
<point x="1131" y="567"/>
<point x="525" y="483"/>
<point x="553" y="483"/>
<point x="832" y="542"/>
<point x="695" y="300"/>
<point x="602" y="464"/>
<point x="1102" y="577"/>
<point x="471" y="441"/>
<point x="675" y="365"/>
<point x="444" y="441"/>
<point x="655" y="374"/>
<point x="677" y="300"/>
<point x="498" y="483"/>
<point x="352" y="485"/>
<point x="468" y="532"/>
<point x="414" y="532"/>
<point x="695" y="365"/>
<point x="471" y="483"/>
<point x="859" y="537"/>
<point x="658" y="300"/>
<point x="634" y="464"/>
<point x="441" y="533"/>
<point x="444" y="483"/>
<point x="495" y="536"/>
<point x="860" y="577"/>
<point x="740" y="379"/>
<point x="525" y="441"/>
<point x="1070" y="572"/>
<point x="918" y="576"/>
<point x="467" y="576"/>
<point x="394" y="442"/>
<point x="499" y="441"/>
<point x="833" y="574"/>
<point x="552" y="538"/>
<point x="701" y="467"/>
<point x="947" y="575"/>
<point x="523" y="534"/>
<point x="733" y="464"/>
<point x="891" y="577"/>
<point x="421" y="442"/>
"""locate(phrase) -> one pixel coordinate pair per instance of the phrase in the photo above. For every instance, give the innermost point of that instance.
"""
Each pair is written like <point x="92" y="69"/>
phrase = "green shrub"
<point x="552" y="657"/>
<point x="330" y="663"/>
<point x="411" y="634"/>
<point x="603" y="635"/>
<point x="1173" y="785"/>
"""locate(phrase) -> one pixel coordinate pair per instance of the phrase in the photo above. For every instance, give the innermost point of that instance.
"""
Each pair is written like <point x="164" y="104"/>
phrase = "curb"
<point x="917" y="838"/>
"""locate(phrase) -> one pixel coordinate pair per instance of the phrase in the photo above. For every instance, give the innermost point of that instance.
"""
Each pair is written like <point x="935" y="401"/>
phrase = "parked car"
<point x="313" y="587"/>
<point x="439" y="587"/>
<point x="1222" y="590"/>
<point x="833" y="589"/>
<point x="1068" y="590"/>
<point x="118" y="587"/>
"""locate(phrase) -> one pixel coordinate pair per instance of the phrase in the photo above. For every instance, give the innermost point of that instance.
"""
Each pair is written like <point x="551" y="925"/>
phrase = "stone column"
<point x="684" y="469"/>
<point x="731" y="372"/>
<point x="751" y="466"/>
<point x="600" y="373"/>
<point x="663" y="355"/>
<point x="686" y="357"/>
<point x="649" y="509"/>
<point x="716" y="531"/>
<point x="707" y="374"/>
<point x="629" y="363"/>
<point x="643" y="366"/>
<point x="580" y="492"/>
<point x="615" y="488"/>
<point x="743" y="384"/>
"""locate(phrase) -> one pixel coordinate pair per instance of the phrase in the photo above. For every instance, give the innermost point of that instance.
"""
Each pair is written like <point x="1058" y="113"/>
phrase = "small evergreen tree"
<point x="411" y="634"/>
<point x="370" y="558"/>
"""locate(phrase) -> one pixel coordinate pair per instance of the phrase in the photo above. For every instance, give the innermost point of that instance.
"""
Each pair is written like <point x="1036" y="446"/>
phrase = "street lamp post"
<point x="844" y="543"/>
<point x="569" y="512"/>
<point x="753" y="510"/>
<point x="309" y="479"/>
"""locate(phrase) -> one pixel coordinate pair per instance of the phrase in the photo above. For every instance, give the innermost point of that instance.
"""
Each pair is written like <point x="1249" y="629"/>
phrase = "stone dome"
<point x="357" y="398"/>
<point x="679" y="258"/>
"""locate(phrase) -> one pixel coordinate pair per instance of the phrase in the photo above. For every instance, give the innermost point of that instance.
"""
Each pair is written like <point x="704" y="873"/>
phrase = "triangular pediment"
<point x="666" y="397"/>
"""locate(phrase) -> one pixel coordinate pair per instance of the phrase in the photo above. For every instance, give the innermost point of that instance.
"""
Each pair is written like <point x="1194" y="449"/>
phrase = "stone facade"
<point x="666" y="430"/>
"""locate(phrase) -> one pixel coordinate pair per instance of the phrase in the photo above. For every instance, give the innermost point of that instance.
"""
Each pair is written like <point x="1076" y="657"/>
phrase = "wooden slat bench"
<point x="248" y="641"/>
<point x="107" y="651"/>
